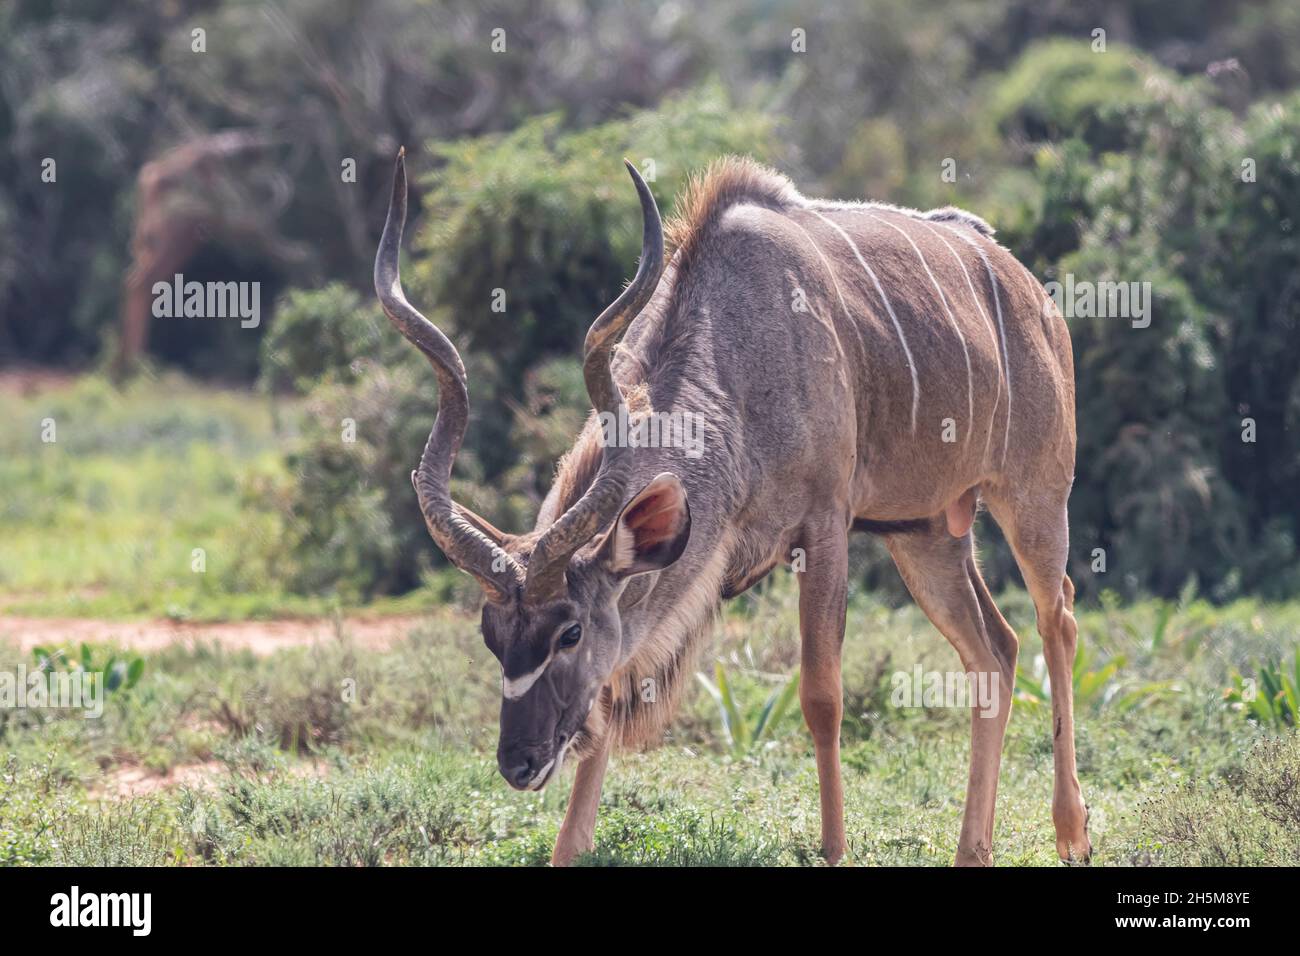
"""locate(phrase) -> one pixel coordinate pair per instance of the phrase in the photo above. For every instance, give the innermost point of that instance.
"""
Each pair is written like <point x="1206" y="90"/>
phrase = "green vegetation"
<point x="1167" y="491"/>
<point x="105" y="519"/>
<point x="342" y="755"/>
<point x="119" y="673"/>
<point x="745" y="727"/>
<point x="1165" y="157"/>
<point x="254" y="473"/>
<point x="521" y="213"/>
<point x="1271" y="695"/>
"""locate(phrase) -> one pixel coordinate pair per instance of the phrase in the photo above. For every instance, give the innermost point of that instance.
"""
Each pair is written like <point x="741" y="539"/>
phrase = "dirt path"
<point x="261" y="637"/>
<point x="128" y="782"/>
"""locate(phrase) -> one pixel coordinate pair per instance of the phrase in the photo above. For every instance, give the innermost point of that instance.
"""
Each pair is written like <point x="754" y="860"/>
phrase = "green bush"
<point x="1250" y="817"/>
<point x="547" y="216"/>
<point x="528" y="234"/>
<point x="325" y="335"/>
<point x="1165" y="484"/>
<point x="1063" y="89"/>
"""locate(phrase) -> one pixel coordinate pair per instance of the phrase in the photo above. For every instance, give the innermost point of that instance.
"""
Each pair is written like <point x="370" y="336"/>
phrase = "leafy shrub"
<point x="1165" y="484"/>
<point x="324" y="335"/>
<point x="745" y="721"/>
<point x="118" y="673"/>
<point x="32" y="809"/>
<point x="1097" y="685"/>
<point x="530" y="234"/>
<point x="544" y="214"/>
<point x="1247" y="818"/>
<point x="1061" y="89"/>
<point x="351" y="521"/>
<point x="1271" y="696"/>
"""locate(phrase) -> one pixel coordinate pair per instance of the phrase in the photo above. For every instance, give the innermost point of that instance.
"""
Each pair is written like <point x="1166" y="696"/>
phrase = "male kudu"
<point x="855" y="365"/>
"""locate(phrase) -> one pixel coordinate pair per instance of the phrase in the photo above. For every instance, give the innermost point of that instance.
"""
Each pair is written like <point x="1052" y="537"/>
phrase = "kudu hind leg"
<point x="941" y="573"/>
<point x="823" y="595"/>
<point x="1039" y="536"/>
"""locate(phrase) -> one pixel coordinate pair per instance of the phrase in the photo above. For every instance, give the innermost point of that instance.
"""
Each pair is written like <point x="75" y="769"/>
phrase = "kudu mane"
<point x="725" y="183"/>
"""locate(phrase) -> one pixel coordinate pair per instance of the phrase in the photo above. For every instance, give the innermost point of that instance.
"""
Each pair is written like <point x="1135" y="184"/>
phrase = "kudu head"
<point x="551" y="616"/>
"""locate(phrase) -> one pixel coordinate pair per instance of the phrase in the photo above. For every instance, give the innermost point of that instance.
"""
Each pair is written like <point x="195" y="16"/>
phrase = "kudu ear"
<point x="652" y="530"/>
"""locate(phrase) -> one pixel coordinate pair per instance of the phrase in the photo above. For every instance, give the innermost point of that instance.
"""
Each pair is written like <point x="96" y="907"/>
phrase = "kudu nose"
<point x="518" y="769"/>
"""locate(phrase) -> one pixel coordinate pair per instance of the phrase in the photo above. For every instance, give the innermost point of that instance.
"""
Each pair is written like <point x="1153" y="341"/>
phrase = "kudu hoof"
<point x="980" y="856"/>
<point x="1076" y="850"/>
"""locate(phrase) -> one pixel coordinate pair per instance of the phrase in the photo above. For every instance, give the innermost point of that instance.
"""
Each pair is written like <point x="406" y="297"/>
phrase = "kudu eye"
<point x="570" y="636"/>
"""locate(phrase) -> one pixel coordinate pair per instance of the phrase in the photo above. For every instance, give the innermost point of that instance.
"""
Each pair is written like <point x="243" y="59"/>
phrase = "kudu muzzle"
<point x="534" y="737"/>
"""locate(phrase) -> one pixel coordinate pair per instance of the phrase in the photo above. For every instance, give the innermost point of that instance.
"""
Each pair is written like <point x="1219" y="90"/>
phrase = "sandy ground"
<point x="261" y="637"/>
<point x="124" y="783"/>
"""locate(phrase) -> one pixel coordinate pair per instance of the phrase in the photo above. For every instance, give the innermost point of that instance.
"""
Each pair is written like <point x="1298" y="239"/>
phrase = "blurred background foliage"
<point x="1119" y="165"/>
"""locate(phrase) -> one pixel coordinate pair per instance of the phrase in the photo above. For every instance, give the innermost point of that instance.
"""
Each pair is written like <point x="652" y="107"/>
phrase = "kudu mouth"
<point x="528" y="771"/>
<point x="533" y="766"/>
<point x="533" y="763"/>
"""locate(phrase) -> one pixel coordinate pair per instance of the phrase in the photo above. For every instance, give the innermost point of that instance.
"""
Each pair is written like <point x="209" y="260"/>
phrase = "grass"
<point x="142" y="506"/>
<point x="105" y="519"/>
<point x="334" y="755"/>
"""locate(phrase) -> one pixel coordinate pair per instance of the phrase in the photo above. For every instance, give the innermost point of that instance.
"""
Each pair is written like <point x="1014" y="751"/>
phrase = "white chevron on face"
<point x="512" y="688"/>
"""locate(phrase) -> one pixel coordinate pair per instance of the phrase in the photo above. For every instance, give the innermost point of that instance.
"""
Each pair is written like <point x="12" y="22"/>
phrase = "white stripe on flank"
<point x="1002" y="329"/>
<point x="834" y="282"/>
<point x="902" y="339"/>
<point x="970" y="387"/>
<point x="993" y="331"/>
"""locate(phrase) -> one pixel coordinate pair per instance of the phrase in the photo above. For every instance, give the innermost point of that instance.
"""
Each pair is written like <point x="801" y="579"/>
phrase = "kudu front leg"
<point x="823" y="590"/>
<point x="578" y="831"/>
